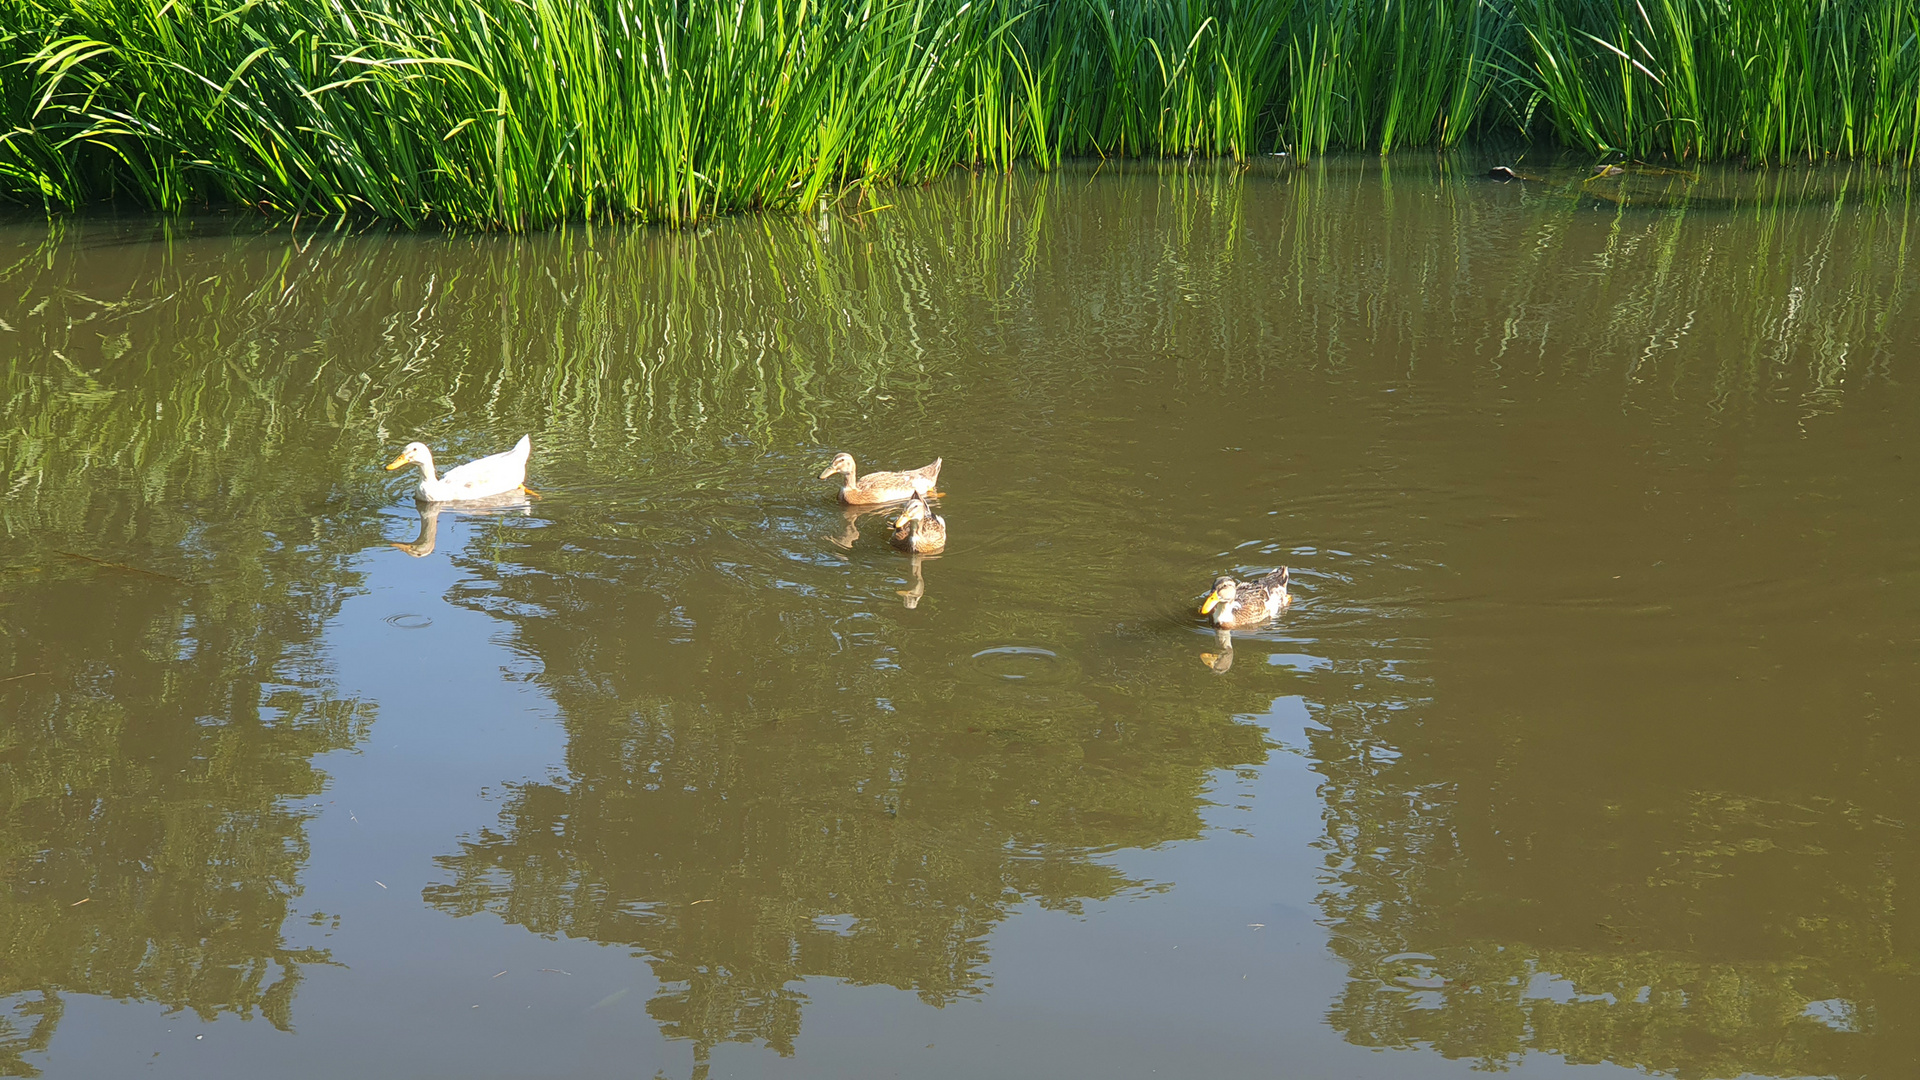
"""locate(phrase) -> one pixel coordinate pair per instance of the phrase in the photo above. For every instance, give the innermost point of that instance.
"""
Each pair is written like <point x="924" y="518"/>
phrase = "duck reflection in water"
<point x="845" y="539"/>
<point x="911" y="597"/>
<point x="1222" y="660"/>
<point x="422" y="545"/>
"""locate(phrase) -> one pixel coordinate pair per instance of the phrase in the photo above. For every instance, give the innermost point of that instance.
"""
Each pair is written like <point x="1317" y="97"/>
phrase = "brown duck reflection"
<point x="852" y="518"/>
<point x="911" y="596"/>
<point x="1221" y="661"/>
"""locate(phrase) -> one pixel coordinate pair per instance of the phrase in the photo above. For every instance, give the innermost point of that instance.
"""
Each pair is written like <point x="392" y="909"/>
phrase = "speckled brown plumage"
<point x="918" y="529"/>
<point x="1232" y="604"/>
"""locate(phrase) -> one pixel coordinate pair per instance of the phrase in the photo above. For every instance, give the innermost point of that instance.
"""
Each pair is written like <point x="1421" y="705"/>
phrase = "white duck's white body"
<point x="482" y="478"/>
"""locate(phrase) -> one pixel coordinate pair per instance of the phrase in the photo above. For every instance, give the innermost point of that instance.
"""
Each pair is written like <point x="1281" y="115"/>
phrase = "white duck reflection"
<point x="422" y="545"/>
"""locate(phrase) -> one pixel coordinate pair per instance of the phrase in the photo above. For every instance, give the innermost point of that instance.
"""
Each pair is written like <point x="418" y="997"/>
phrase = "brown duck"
<point x="918" y="529"/>
<point x="1234" y="604"/>
<point x="881" y="487"/>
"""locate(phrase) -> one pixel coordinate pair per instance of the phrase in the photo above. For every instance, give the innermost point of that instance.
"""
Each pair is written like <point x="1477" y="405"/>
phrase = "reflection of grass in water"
<point x="601" y="338"/>
<point x="148" y="772"/>
<point x="1655" y="188"/>
<point x="1483" y="964"/>
<point x="727" y="791"/>
<point x="220" y="416"/>
<point x="517" y="115"/>
<point x="204" y="419"/>
<point x="1792" y="279"/>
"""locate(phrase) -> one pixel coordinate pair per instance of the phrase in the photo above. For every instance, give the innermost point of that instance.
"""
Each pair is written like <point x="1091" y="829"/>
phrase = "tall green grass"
<point x="520" y="113"/>
<point x="1717" y="79"/>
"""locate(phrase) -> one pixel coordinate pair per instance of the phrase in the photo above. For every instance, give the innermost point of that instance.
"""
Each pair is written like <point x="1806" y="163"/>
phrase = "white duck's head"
<point x="416" y="453"/>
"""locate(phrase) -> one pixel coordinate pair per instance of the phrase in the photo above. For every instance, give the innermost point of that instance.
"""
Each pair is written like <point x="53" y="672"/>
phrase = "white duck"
<point x="482" y="478"/>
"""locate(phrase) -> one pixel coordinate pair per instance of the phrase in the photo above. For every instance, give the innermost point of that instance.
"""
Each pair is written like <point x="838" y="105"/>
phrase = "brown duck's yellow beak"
<point x="396" y="462"/>
<point x="1212" y="599"/>
<point x="828" y="473"/>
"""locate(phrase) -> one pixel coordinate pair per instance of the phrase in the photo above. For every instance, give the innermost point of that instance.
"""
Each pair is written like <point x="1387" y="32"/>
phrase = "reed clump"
<point x="521" y="113"/>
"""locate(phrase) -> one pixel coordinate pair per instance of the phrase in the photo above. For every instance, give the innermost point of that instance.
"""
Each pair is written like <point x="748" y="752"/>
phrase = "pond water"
<point x="1587" y="747"/>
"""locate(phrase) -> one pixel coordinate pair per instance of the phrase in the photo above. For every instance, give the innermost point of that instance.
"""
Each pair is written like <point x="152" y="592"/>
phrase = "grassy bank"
<point x="519" y="113"/>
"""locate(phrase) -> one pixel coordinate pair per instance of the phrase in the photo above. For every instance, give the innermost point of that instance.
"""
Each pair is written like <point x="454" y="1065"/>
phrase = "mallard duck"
<point x="481" y="478"/>
<point x="881" y="487"/>
<point x="918" y="529"/>
<point x="1246" y="603"/>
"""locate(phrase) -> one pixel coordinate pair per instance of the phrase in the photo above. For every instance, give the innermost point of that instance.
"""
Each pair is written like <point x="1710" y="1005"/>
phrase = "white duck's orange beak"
<point x="397" y="462"/>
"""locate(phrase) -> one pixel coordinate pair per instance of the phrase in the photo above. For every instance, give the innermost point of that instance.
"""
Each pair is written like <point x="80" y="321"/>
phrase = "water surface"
<point x="1586" y="747"/>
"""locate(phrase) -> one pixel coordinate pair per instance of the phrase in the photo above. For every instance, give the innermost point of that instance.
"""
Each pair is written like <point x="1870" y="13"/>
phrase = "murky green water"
<point x="1588" y="746"/>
